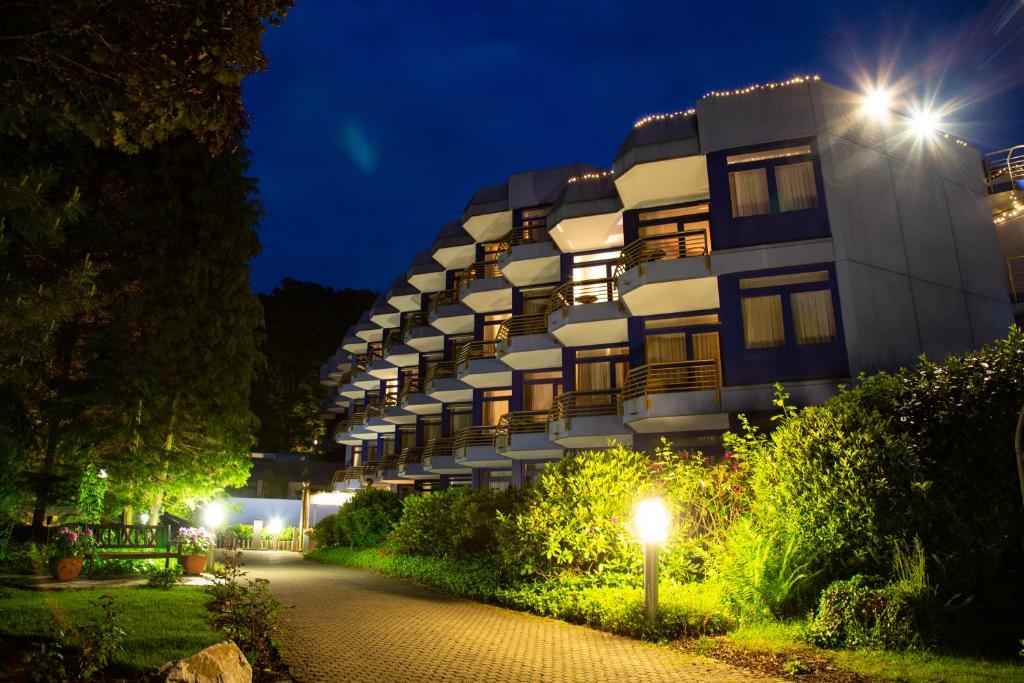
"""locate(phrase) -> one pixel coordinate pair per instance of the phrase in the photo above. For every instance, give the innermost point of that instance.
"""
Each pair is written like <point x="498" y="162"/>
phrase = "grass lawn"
<point x="161" y="625"/>
<point x="784" y="643"/>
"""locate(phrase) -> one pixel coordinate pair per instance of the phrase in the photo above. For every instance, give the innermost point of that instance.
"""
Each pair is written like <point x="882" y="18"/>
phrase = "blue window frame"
<point x="766" y="194"/>
<point x="782" y="325"/>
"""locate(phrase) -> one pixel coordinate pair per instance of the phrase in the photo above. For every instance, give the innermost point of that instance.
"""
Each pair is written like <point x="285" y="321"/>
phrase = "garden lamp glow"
<point x="274" y="526"/>
<point x="651" y="521"/>
<point x="214" y="515"/>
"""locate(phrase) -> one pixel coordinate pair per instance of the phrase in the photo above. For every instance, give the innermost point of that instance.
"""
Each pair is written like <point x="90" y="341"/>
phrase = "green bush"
<point x="864" y="612"/>
<point x="324" y="532"/>
<point x="242" y="532"/>
<point x="455" y="523"/>
<point x="164" y="578"/>
<point x="367" y="519"/>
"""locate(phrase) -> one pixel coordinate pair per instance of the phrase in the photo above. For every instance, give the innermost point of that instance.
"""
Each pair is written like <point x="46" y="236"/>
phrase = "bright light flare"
<point x="652" y="521"/>
<point x="924" y="123"/>
<point x="274" y="526"/>
<point x="877" y="103"/>
<point x="214" y="515"/>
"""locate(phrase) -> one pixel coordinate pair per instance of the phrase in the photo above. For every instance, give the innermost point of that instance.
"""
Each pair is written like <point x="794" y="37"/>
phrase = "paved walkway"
<point x="351" y="625"/>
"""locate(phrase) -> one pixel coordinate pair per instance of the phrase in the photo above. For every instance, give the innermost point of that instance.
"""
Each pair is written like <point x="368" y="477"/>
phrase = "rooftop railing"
<point x="670" y="378"/>
<point x="584" y="404"/>
<point x="518" y="325"/>
<point x="665" y="247"/>
<point x="577" y="292"/>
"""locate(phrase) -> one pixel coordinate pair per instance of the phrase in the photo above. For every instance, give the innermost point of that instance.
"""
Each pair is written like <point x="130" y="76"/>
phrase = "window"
<point x="665" y="348"/>
<point x="762" y="322"/>
<point x="804" y="304"/>
<point x="535" y="300"/>
<point x="495" y="404"/>
<point x="492" y="321"/>
<point x="459" y="416"/>
<point x="601" y="369"/>
<point x="540" y="389"/>
<point x="772" y="181"/>
<point x="431" y="429"/>
<point x="682" y="338"/>
<point x="813" y="319"/>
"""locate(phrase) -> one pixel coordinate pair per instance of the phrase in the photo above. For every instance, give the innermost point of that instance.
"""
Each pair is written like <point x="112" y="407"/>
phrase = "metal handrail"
<point x="1015" y="268"/>
<point x="388" y="462"/>
<point x="394" y="337"/>
<point x="410" y="455"/>
<point x="440" y="370"/>
<point x="339" y="429"/>
<point x="583" y="404"/>
<point x="477" y="271"/>
<point x="517" y="325"/>
<point x="1004" y="166"/>
<point x="411" y="385"/>
<point x="524" y="234"/>
<point x="417" y="319"/>
<point x="670" y="378"/>
<point x="443" y="298"/>
<point x="665" y="247"/>
<point x="439" y="445"/>
<point x="476" y="435"/>
<point x="574" y="293"/>
<point x="522" y="422"/>
<point x="475" y="349"/>
<point x="358" y="417"/>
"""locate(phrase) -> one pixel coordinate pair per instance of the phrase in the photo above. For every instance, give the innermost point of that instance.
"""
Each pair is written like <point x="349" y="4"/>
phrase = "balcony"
<point x="418" y="333"/>
<point x="587" y="419"/>
<point x="350" y="390"/>
<point x="660" y="163"/>
<point x="341" y="434"/>
<point x="478" y="367"/>
<point x="527" y="256"/>
<point x="382" y="369"/>
<point x="410" y="464"/>
<point x="375" y="421"/>
<point x="674" y="397"/>
<point x="448" y="314"/>
<point x="668" y="273"/>
<point x="523" y="435"/>
<point x="354" y="344"/>
<point x="388" y="472"/>
<point x="474" y="447"/>
<point x="385" y="315"/>
<point x="357" y="426"/>
<point x="348" y="479"/>
<point x="587" y="312"/>
<point x="487" y="216"/>
<point x="412" y="398"/>
<point x="454" y="248"/>
<point x="523" y="343"/>
<point x="442" y="384"/>
<point x="401" y="355"/>
<point x="367" y="330"/>
<point x="438" y="458"/>
<point x="483" y="288"/>
<point x="403" y="297"/>
<point x="426" y="274"/>
<point x="586" y="215"/>
<point x="366" y="381"/>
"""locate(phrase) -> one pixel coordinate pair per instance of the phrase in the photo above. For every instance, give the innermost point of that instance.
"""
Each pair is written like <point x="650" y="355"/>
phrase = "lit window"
<point x="814" y="321"/>
<point x="797" y="188"/>
<point x="782" y="280"/>
<point x="762" y="322"/>
<point x="768" y="154"/>
<point x="749" y="192"/>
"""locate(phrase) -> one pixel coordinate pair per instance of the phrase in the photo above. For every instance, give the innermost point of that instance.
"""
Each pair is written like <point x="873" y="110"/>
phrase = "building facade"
<point x="772" y="234"/>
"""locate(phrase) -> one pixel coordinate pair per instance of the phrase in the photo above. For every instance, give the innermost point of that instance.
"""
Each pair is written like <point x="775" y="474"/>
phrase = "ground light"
<point x="652" y="522"/>
<point x="274" y="526"/>
<point x="214" y="515"/>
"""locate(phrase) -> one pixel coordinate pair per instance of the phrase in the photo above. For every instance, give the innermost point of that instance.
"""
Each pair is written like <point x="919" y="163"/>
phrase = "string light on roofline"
<point x="1017" y="210"/>
<point x="593" y="175"/>
<point x="661" y="117"/>
<point x="796" y="80"/>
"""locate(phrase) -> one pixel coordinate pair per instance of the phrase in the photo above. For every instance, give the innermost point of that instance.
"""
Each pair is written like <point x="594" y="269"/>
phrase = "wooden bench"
<point x="133" y="542"/>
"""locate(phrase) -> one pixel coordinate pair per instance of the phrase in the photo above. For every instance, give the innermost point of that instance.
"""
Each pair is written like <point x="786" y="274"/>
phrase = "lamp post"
<point x="652" y="523"/>
<point x="214" y="516"/>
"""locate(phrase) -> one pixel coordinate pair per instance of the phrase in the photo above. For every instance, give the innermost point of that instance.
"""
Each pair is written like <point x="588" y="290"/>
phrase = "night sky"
<point x="377" y="120"/>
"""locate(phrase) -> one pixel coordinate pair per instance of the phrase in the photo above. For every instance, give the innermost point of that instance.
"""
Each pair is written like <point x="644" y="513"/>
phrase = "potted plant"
<point x="67" y="552"/>
<point x="194" y="544"/>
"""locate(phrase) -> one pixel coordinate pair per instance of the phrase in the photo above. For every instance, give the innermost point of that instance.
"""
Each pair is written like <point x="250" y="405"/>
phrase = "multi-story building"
<point x="779" y="233"/>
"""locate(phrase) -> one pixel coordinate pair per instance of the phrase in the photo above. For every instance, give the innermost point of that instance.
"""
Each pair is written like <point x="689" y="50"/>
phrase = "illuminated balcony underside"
<point x="586" y="233"/>
<point x="420" y="404"/>
<point x="354" y="344"/>
<point x="368" y="331"/>
<point x="534" y="446"/>
<point x="530" y="352"/>
<point x="589" y="431"/>
<point x="351" y="391"/>
<point x="392" y="475"/>
<point x="488" y="227"/>
<point x="670" y="181"/>
<point x="362" y="432"/>
<point x="379" y="425"/>
<point x="486" y="295"/>
<point x="453" y="319"/>
<point x="653" y="294"/>
<point x="602" y="322"/>
<point x="353" y="484"/>
<point x="449" y="390"/>
<point x="425" y="338"/>
<point x="402" y="355"/>
<point x="456" y="257"/>
<point x="386" y="316"/>
<point x="443" y="464"/>
<point x="347" y="439"/>
<point x="399" y="416"/>
<point x="366" y="381"/>
<point x="483" y="456"/>
<point x="405" y="298"/>
<point x="382" y="369"/>
<point x="675" y="412"/>
<point x="485" y="373"/>
<point x="428" y="282"/>
<point x="531" y="264"/>
<point x="415" y="471"/>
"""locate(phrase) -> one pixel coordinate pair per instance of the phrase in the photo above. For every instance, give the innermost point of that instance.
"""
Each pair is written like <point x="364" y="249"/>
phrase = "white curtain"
<point x="749" y="191"/>
<point x="796" y="186"/>
<point x="762" y="321"/>
<point x="814" y="321"/>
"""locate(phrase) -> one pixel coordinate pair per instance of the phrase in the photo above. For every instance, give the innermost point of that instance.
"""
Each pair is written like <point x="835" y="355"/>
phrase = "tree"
<point x="305" y="322"/>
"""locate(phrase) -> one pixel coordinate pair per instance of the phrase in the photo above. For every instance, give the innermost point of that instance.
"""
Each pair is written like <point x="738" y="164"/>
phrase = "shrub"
<point x="324" y="532"/>
<point x="242" y="532"/>
<point x="366" y="520"/>
<point x="164" y="578"/>
<point x="455" y="523"/>
<point x="246" y="612"/>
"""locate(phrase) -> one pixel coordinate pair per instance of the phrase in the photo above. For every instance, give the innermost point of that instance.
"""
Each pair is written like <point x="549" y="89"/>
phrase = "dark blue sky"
<point x="377" y="120"/>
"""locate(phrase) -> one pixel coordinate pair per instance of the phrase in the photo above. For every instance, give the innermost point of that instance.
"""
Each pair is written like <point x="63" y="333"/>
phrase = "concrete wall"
<point x="917" y="258"/>
<point x="289" y="510"/>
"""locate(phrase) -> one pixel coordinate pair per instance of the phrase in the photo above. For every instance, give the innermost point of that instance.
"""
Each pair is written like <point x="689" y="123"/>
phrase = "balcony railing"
<point x="575" y="293"/>
<point x="440" y="370"/>
<point x="477" y="271"/>
<point x="443" y="298"/>
<point x="339" y="429"/>
<point x="1015" y="267"/>
<point x="584" y="404"/>
<point x="417" y="319"/>
<point x="522" y="422"/>
<point x="358" y="417"/>
<point x="518" y="325"/>
<point x="394" y="337"/>
<point x="665" y="247"/>
<point x="477" y="435"/>
<point x="438" y="446"/>
<point x="523" y="235"/>
<point x="473" y="350"/>
<point x="1004" y="167"/>
<point x="388" y="462"/>
<point x="411" y="385"/>
<point x="410" y="455"/>
<point x="671" y="378"/>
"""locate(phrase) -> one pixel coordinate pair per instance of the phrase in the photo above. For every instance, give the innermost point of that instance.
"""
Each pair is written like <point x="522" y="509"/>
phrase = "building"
<point x="775" y="233"/>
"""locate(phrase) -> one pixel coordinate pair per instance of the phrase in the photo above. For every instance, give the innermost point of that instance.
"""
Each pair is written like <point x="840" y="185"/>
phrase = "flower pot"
<point x="193" y="564"/>
<point x="66" y="568"/>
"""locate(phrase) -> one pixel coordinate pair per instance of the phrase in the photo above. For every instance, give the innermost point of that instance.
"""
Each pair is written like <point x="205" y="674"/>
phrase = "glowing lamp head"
<point x="924" y="123"/>
<point x="274" y="526"/>
<point x="214" y="515"/>
<point x="652" y="521"/>
<point x="144" y="517"/>
<point x="876" y="103"/>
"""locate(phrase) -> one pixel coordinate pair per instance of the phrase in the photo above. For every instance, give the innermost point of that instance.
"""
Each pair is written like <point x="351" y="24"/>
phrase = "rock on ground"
<point x="220" y="663"/>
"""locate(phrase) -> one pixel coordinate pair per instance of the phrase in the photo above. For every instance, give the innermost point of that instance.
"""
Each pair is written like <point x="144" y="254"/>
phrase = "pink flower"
<point x="88" y="532"/>
<point x="72" y="536"/>
<point x="64" y="530"/>
<point x="655" y="465"/>
<point x="614" y="520"/>
<point x="729" y="455"/>
<point x="737" y="490"/>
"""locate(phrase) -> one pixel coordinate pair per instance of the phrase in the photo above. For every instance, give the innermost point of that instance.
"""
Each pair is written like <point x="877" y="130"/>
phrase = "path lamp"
<point x="214" y="515"/>
<point x="652" y="524"/>
<point x="274" y="527"/>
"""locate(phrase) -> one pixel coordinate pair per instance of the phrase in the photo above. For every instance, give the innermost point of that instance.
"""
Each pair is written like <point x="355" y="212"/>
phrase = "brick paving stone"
<point x="344" y="624"/>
